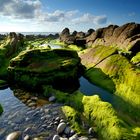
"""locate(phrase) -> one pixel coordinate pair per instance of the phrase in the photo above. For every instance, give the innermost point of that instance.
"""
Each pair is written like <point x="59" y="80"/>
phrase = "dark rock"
<point x="80" y="42"/>
<point x="80" y="35"/>
<point x="66" y="37"/>
<point x="89" y="32"/>
<point x="74" y="33"/>
<point x="66" y="31"/>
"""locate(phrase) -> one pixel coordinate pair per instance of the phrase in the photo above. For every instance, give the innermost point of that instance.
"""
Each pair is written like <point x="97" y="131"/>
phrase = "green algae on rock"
<point x="136" y="59"/>
<point x="10" y="46"/>
<point x="98" y="114"/>
<point x="39" y="66"/>
<point x="120" y="75"/>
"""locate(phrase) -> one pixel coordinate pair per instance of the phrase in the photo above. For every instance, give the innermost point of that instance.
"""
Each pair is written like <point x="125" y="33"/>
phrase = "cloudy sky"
<point x="54" y="15"/>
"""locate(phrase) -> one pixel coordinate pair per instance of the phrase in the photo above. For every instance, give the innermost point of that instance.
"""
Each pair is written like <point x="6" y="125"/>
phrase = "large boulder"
<point x="35" y="68"/>
<point x="66" y="37"/>
<point x="126" y="37"/>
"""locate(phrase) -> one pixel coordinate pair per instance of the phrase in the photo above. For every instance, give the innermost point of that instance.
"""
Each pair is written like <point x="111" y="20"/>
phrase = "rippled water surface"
<point x="18" y="116"/>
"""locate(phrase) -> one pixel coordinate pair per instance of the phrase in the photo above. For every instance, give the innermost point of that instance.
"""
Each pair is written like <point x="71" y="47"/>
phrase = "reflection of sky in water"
<point x="16" y="113"/>
<point x="90" y="89"/>
<point x="9" y="101"/>
<point x="51" y="45"/>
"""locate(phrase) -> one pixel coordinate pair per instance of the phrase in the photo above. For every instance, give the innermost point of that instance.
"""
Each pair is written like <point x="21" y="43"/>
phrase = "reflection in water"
<point x="53" y="46"/>
<point x="90" y="89"/>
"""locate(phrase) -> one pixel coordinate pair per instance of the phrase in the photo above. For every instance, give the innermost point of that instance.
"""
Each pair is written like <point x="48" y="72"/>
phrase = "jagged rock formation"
<point x="66" y="37"/>
<point x="77" y="38"/>
<point x="125" y="37"/>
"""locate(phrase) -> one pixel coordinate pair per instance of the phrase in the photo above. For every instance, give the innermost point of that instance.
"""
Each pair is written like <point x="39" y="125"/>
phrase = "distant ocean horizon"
<point x="32" y="33"/>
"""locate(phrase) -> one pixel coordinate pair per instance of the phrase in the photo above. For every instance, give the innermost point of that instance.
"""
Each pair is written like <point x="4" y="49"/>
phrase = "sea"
<point x="31" y="33"/>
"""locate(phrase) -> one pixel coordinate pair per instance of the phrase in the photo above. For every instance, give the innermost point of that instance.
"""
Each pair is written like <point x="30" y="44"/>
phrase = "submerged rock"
<point x="13" y="135"/>
<point x="56" y="137"/>
<point x="52" y="99"/>
<point x="61" y="127"/>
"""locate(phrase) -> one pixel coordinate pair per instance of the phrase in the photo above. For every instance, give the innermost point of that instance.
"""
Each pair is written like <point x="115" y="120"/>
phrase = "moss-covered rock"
<point x="116" y="73"/>
<point x="74" y="118"/>
<point x="92" y="56"/>
<point x="36" y="67"/>
<point x="136" y="59"/>
<point x="104" y="117"/>
<point x="9" y="47"/>
<point x="95" y="113"/>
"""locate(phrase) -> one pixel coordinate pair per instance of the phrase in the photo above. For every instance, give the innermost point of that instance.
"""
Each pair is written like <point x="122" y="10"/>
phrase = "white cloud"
<point x="89" y="18"/>
<point x="59" y="16"/>
<point x="25" y="9"/>
<point x="24" y="13"/>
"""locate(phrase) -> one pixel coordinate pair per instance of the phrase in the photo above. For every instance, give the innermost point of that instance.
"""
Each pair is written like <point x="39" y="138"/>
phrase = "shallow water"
<point x="53" y="46"/>
<point x="17" y="116"/>
<point x="90" y="89"/>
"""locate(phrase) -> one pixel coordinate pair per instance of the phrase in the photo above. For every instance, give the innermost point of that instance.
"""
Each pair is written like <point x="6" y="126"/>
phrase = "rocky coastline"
<point x="108" y="57"/>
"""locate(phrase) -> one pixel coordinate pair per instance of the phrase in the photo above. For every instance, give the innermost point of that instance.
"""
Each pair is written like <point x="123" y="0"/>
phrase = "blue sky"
<point x="54" y="15"/>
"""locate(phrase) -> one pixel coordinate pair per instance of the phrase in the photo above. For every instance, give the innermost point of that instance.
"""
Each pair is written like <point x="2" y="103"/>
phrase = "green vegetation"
<point x="103" y="116"/>
<point x="75" y="47"/>
<point x="98" y="114"/>
<point x="74" y="118"/>
<point x="1" y="109"/>
<point x="115" y="73"/>
<point x="136" y="58"/>
<point x="57" y="42"/>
